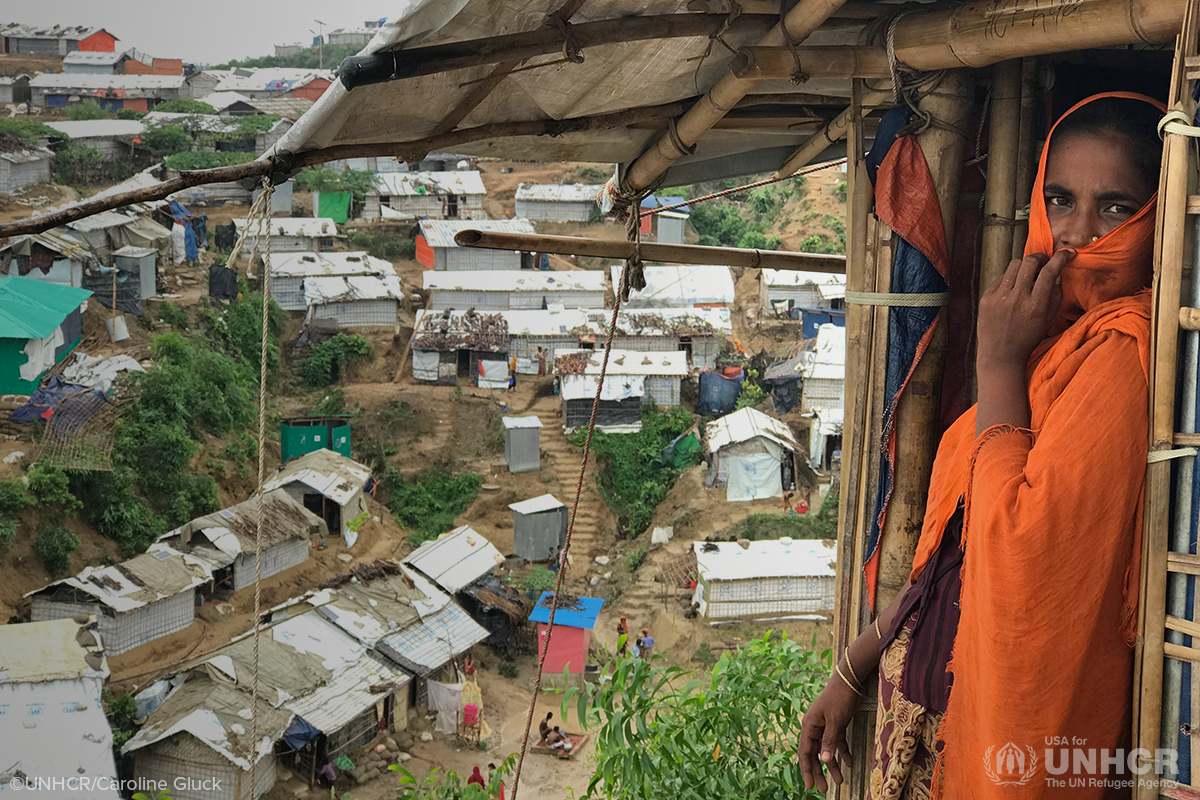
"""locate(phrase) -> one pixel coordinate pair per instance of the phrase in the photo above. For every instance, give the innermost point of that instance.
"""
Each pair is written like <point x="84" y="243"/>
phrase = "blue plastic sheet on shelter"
<point x="298" y="734"/>
<point x="718" y="394"/>
<point x="47" y="398"/>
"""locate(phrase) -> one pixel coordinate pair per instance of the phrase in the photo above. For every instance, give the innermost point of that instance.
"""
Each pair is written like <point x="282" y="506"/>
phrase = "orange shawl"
<point x="1051" y="533"/>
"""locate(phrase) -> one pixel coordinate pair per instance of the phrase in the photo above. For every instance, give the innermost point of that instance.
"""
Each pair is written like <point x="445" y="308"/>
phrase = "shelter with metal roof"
<point x="750" y="455"/>
<point x="296" y="234"/>
<point x="455" y="560"/>
<point x="290" y="270"/>
<point x="144" y="598"/>
<point x="500" y="290"/>
<point x="436" y="248"/>
<point x="426" y="195"/>
<point x="687" y="286"/>
<point x="823" y="395"/>
<point x="51" y="685"/>
<point x="53" y="40"/>
<point x="331" y="486"/>
<point x="522" y="447"/>
<point x="40" y="323"/>
<point x="539" y="527"/>
<point x="14" y="88"/>
<point x="22" y="164"/>
<point x="774" y="579"/>
<point x="113" y="92"/>
<point x="783" y="289"/>
<point x="571" y="202"/>
<point x="114" y="138"/>
<point x="574" y="620"/>
<point x="634" y="378"/>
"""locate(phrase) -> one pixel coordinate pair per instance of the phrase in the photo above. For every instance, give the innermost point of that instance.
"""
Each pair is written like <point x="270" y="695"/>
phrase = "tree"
<point x="77" y="164"/>
<point x="88" y="109"/>
<point x="185" y="105"/>
<point x="733" y="732"/>
<point x="167" y="140"/>
<point x="305" y="59"/>
<point x="54" y="547"/>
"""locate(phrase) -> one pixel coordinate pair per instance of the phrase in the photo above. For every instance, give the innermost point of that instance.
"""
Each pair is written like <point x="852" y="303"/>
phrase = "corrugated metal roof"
<point x="830" y="286"/>
<point x="223" y="100"/>
<point x="293" y="265"/>
<point x="344" y="289"/>
<point x="289" y="107"/>
<point x="561" y="193"/>
<point x="632" y="362"/>
<point x="680" y="286"/>
<point x="779" y="558"/>
<point x="33" y="309"/>
<point x="26" y="156"/>
<point x="515" y="280"/>
<point x="243" y="79"/>
<point x="105" y="219"/>
<point x="332" y="474"/>
<point x="93" y="58"/>
<point x="348" y="695"/>
<point x="456" y="559"/>
<point x="511" y="423"/>
<point x="294" y="226"/>
<point x="16" y="30"/>
<point x="92" y="81"/>
<point x="233" y="530"/>
<point x="410" y="184"/>
<point x="160" y="572"/>
<point x="745" y="424"/>
<point x="440" y="232"/>
<point x="8" y="80"/>
<point x="546" y="502"/>
<point x="437" y="638"/>
<point x="582" y="617"/>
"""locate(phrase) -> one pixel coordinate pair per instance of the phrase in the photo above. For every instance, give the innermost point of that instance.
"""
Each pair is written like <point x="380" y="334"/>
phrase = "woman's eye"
<point x="1119" y="210"/>
<point x="1057" y="200"/>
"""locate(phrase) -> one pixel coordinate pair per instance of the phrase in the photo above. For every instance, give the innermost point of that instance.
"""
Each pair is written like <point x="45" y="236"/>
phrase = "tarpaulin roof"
<point x="830" y="286"/>
<point x="679" y="286"/>
<point x="828" y="360"/>
<point x="456" y="559"/>
<point x="160" y="572"/>
<point x="93" y="128"/>
<point x="410" y="184"/>
<point x="582" y="616"/>
<point x="293" y="226"/>
<point x="60" y="240"/>
<point x="516" y="280"/>
<point x="39" y="652"/>
<point x="777" y="558"/>
<point x="631" y="362"/>
<point x="745" y="424"/>
<point x="33" y="309"/>
<point x="233" y="530"/>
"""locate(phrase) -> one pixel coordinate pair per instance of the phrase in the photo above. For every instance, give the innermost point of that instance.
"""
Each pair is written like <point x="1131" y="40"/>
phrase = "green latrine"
<point x="299" y="436"/>
<point x="40" y="322"/>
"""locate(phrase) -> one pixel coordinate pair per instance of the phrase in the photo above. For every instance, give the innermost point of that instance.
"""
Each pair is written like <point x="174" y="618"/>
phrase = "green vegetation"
<point x="508" y="669"/>
<point x="239" y="331"/>
<point x="121" y="713"/>
<point x="77" y="164"/>
<point x="28" y="131"/>
<point x="305" y="59"/>
<point x="436" y="785"/>
<point x="389" y="248"/>
<point x="131" y="113"/>
<point x="667" y="732"/>
<point x="330" y="358"/>
<point x="88" y="109"/>
<point x="704" y="656"/>
<point x="183" y="161"/>
<point x="167" y="140"/>
<point x="636" y="559"/>
<point x="756" y="527"/>
<point x="590" y="175"/>
<point x="174" y="316"/>
<point x="820" y="243"/>
<point x="752" y="392"/>
<point x="539" y="580"/>
<point x="54" y="547"/>
<point x="334" y="402"/>
<point x="185" y="105"/>
<point x="429" y="501"/>
<point x="631" y="480"/>
<point x="376" y="440"/>
<point x="13" y="497"/>
<point x="840" y="191"/>
<point x="50" y="489"/>
<point x="326" y="179"/>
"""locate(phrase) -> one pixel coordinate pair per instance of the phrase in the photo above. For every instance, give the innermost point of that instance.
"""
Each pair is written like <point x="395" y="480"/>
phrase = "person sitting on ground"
<point x="557" y="740"/>
<point x="787" y="503"/>
<point x="544" y="726"/>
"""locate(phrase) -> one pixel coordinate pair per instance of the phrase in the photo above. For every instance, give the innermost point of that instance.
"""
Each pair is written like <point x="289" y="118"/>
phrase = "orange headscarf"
<point x="1052" y="531"/>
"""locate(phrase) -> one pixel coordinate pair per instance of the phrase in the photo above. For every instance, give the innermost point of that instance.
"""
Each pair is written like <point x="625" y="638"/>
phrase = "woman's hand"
<point x="1016" y="312"/>
<point x="823" y="734"/>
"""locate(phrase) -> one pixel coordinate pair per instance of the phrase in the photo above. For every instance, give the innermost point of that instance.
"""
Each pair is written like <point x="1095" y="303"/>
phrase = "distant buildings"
<point x="261" y="83"/>
<point x="22" y="165"/>
<point x="127" y="62"/>
<point x="14" y="88"/>
<point x="574" y="202"/>
<point x="112" y="92"/>
<point x="502" y="290"/>
<point x="428" y="195"/>
<point x="54" y="40"/>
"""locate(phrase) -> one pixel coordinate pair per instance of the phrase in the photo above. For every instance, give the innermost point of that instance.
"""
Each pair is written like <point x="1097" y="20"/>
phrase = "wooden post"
<point x="1027" y="154"/>
<point x="1000" y="196"/>
<point x="834" y="130"/>
<point x="919" y="411"/>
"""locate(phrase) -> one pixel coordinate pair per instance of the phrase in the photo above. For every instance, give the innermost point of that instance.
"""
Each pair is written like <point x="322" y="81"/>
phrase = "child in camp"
<point x="1028" y="562"/>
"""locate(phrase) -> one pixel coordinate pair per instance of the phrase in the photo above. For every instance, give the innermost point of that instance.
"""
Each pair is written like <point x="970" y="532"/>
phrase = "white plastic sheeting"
<point x="680" y="286"/>
<point x="95" y="372"/>
<point x="318" y="291"/>
<point x="446" y="700"/>
<point x="41" y="354"/>
<point x="754" y="476"/>
<point x="616" y="387"/>
<point x="492" y="374"/>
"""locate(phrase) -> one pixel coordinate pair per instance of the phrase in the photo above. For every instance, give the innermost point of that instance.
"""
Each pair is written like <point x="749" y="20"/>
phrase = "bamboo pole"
<point x="832" y="132"/>
<point x="652" y="251"/>
<point x="999" y="199"/>
<point x="980" y="34"/>
<point x="763" y="63"/>
<point x="1026" y="149"/>
<point x="804" y="18"/>
<point x="919" y="410"/>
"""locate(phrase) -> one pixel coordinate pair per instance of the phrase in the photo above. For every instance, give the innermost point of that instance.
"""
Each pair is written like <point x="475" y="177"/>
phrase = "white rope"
<point x="899" y="299"/>
<point x="1154" y="456"/>
<point x="1175" y="121"/>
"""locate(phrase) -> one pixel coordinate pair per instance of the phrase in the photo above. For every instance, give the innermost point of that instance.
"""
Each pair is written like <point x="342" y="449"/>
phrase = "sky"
<point x="209" y="32"/>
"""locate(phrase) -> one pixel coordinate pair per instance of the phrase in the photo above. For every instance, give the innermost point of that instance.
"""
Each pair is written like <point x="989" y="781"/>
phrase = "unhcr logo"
<point x="1009" y="765"/>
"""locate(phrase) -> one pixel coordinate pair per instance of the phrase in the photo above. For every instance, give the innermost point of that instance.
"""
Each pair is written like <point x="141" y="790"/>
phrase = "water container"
<point x="470" y="714"/>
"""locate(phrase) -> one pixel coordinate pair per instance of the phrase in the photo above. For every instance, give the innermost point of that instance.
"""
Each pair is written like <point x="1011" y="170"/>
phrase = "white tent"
<point x="747" y="449"/>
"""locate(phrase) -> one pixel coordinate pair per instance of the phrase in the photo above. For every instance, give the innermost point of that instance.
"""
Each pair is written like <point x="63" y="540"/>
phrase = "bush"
<point x="77" y="164"/>
<point x="54" y="547"/>
<point x="242" y="449"/>
<point x="326" y="179"/>
<point x="508" y="669"/>
<point x="195" y="386"/>
<point x="88" y="109"/>
<point x="636" y="559"/>
<point x="241" y="331"/>
<point x="115" y="511"/>
<point x="330" y="358"/>
<point x="429" y="501"/>
<point x="752" y="393"/>
<point x="333" y="403"/>
<point x="389" y="248"/>
<point x="51" y="491"/>
<point x="28" y="131"/>
<point x="13" y="497"/>
<point x="130" y="113"/>
<point x="185" y="105"/>
<point x="756" y="527"/>
<point x="537" y="581"/>
<point x="167" y="140"/>
<point x="840" y="191"/>
<point x="174" y="316"/>
<point x="308" y="58"/>
<point x="8" y="532"/>
<point x="591" y="175"/>
<point x="183" y="161"/>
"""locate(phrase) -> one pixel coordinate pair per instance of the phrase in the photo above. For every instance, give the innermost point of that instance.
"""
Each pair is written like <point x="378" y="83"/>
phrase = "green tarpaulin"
<point x="681" y="453"/>
<point x="334" y="206"/>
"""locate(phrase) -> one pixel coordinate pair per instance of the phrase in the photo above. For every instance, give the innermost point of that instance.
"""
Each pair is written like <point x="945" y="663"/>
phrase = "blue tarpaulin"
<point x="298" y="734"/>
<point x="177" y="211"/>
<point x="46" y="398"/>
<point x="582" y="615"/>
<point x="718" y="394"/>
<point x="189" y="243"/>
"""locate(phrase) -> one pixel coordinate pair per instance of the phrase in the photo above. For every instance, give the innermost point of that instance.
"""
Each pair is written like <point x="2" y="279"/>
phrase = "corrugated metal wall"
<point x="128" y="629"/>
<point x="378" y="313"/>
<point x="275" y="560"/>
<point x="505" y="300"/>
<point x="480" y="301"/>
<point x="569" y="299"/>
<point x="554" y="211"/>
<point x="522" y="451"/>
<point x="663" y="390"/>
<point x="537" y="536"/>
<point x="15" y="176"/>
<point x="455" y="258"/>
<point x="806" y="296"/>
<point x="288" y="292"/>
<point x="184" y="756"/>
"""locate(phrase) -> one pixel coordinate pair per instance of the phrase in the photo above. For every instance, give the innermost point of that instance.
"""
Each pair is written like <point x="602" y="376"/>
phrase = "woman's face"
<point x="1092" y="185"/>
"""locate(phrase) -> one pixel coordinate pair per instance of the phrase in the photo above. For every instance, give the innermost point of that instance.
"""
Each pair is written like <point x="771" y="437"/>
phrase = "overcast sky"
<point x="211" y="31"/>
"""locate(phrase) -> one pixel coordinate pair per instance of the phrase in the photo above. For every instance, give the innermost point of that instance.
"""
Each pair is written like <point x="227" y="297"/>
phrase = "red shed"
<point x="99" y="42"/>
<point x="573" y="623"/>
<point x="311" y="90"/>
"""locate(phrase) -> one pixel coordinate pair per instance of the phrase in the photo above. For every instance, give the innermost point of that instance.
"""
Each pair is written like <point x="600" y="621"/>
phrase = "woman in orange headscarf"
<point x="1028" y="562"/>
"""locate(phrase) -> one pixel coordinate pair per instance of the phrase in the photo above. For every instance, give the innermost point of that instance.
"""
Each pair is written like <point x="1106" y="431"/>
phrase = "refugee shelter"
<point x="785" y="380"/>
<point x="823" y="395"/>
<point x="446" y="346"/>
<point x="720" y="390"/>
<point x="112" y="92"/>
<point x="750" y="455"/>
<point x="634" y="378"/>
<point x="688" y="286"/>
<point x="329" y="485"/>
<point x="53" y="726"/>
<point x="137" y="601"/>
<point x="503" y="290"/>
<point x="14" y="89"/>
<point x="115" y="139"/>
<point x="426" y="195"/>
<point x="456" y="559"/>
<point x="22" y="165"/>
<point x="698" y="332"/>
<point x="772" y="579"/>
<point x="784" y="292"/>
<point x="568" y="645"/>
<point x="522" y="449"/>
<point x="539" y="528"/>
<point x="552" y="202"/>
<point x="364" y="301"/>
<point x="109" y="231"/>
<point x="53" y="40"/>
<point x="294" y="234"/>
<point x="290" y="270"/>
<point x="226" y="540"/>
<point x="555" y="329"/>
<point x="302" y="435"/>
<point x="40" y="323"/>
<point x="436" y="248"/>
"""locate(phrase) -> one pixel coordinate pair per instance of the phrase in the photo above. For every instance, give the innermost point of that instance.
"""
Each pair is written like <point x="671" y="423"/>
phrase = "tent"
<point x="748" y="451"/>
<point x="40" y="323"/>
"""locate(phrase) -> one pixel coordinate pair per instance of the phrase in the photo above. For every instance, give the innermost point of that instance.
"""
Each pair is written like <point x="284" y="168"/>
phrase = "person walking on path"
<point x="541" y="359"/>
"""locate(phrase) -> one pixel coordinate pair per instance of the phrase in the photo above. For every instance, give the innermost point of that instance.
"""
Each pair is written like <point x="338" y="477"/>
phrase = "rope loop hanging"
<point x="571" y="49"/>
